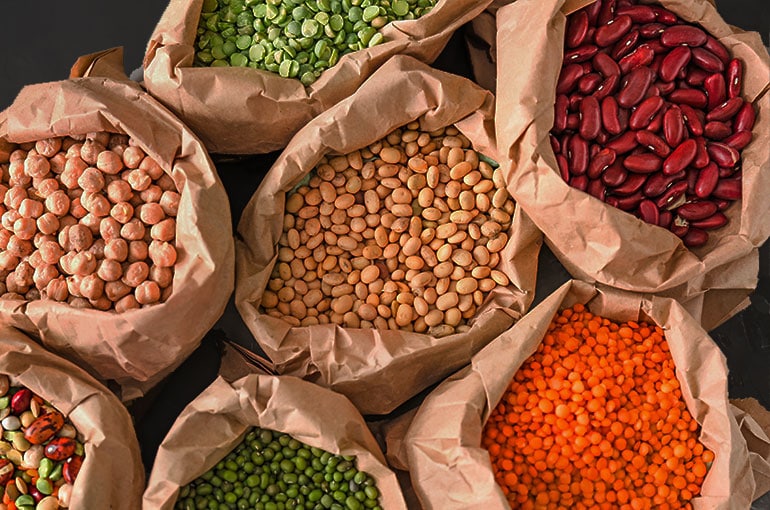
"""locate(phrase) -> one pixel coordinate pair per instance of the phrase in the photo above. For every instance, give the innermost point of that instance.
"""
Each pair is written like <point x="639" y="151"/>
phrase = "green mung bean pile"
<point x="294" y="38"/>
<point x="273" y="471"/>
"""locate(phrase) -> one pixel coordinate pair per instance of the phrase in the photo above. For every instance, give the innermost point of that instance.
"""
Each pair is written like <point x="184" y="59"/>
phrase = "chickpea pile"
<point x="404" y="234"/>
<point x="87" y="220"/>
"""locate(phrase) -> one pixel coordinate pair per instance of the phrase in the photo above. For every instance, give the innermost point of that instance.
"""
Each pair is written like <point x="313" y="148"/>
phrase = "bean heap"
<point x="595" y="419"/>
<point x="40" y="454"/>
<point x="404" y="234"/>
<point x="649" y="116"/>
<point x="273" y="471"/>
<point x="295" y="38"/>
<point x="89" y="221"/>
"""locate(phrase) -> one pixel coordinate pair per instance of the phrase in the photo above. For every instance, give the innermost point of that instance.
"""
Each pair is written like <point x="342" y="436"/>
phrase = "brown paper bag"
<point x="377" y="370"/>
<point x="244" y="110"/>
<point x="139" y="347"/>
<point x="112" y="475"/>
<point x="597" y="242"/>
<point x="224" y="412"/>
<point x="754" y="421"/>
<point x="450" y="468"/>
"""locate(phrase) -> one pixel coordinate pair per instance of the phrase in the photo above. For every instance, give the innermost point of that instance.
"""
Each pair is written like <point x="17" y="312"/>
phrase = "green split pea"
<point x="283" y="36"/>
<point x="273" y="471"/>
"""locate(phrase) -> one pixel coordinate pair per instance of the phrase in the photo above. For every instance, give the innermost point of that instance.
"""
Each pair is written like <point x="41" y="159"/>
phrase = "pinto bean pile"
<point x="649" y="116"/>
<point x="404" y="234"/>
<point x="90" y="221"/>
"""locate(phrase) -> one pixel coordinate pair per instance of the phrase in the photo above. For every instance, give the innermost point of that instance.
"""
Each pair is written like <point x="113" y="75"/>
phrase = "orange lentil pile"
<point x="595" y="419"/>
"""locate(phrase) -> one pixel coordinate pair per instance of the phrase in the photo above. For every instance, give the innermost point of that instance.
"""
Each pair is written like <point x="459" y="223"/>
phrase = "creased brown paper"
<point x="139" y="347"/>
<point x="250" y="111"/>
<point x="216" y="421"/>
<point x="112" y="475"/>
<point x="597" y="242"/>
<point x="377" y="370"/>
<point x="754" y="421"/>
<point x="450" y="468"/>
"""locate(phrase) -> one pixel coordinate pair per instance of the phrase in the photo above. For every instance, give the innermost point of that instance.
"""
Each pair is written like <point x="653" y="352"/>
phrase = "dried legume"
<point x="272" y="471"/>
<point x="595" y="419"/>
<point x="404" y="234"/>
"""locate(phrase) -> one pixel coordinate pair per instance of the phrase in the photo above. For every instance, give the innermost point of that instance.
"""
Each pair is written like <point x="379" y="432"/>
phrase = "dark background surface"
<point x="41" y="40"/>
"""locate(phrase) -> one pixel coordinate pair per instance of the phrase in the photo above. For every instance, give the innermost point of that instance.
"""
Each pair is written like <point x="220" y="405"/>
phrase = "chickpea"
<point x="48" y="223"/>
<point x="8" y="261"/>
<point x="58" y="203"/>
<point x="92" y="222"/>
<point x="116" y="249"/>
<point x="133" y="230"/>
<point x="101" y="303"/>
<point x="25" y="228"/>
<point x="67" y="221"/>
<point x="73" y="145"/>
<point x="127" y="303"/>
<point x="163" y="276"/>
<point x="90" y="151"/>
<point x="32" y="294"/>
<point x="101" y="137"/>
<point x="18" y="155"/>
<point x="91" y="180"/>
<point x="164" y="230"/>
<point x="44" y="274"/>
<point x="5" y="235"/>
<point x="13" y="285"/>
<point x="73" y="285"/>
<point x="166" y="183"/>
<point x="97" y="248"/>
<point x="48" y="147"/>
<point x="135" y="273"/>
<point x="24" y="273"/>
<point x="116" y="290"/>
<point x="30" y="208"/>
<point x="151" y="194"/>
<point x="65" y="262"/>
<point x="133" y="156"/>
<point x="36" y="165"/>
<point x="152" y="168"/>
<point x="19" y="247"/>
<point x="147" y="292"/>
<point x="109" y="270"/>
<point x="109" y="162"/>
<point x="73" y="169"/>
<point x="9" y="218"/>
<point x="163" y="254"/>
<point x="118" y="140"/>
<point x="3" y="191"/>
<point x="35" y="259"/>
<point x="57" y="289"/>
<point x="96" y="204"/>
<point x="137" y="251"/>
<point x="80" y="237"/>
<point x="82" y="303"/>
<point x="83" y="263"/>
<point x="58" y="162"/>
<point x="169" y="201"/>
<point x="50" y="252"/>
<point x="151" y="213"/>
<point x="139" y="180"/>
<point x="76" y="208"/>
<point x="46" y="187"/>
<point x="92" y="287"/>
<point x="109" y="229"/>
<point x="122" y="212"/>
<point x="17" y="176"/>
<point x="119" y="191"/>
<point x="14" y="196"/>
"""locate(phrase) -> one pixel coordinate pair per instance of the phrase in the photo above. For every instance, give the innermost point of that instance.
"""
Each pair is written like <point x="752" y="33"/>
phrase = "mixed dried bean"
<point x="40" y="452"/>
<point x="649" y="116"/>
<point x="90" y="221"/>
<point x="404" y="234"/>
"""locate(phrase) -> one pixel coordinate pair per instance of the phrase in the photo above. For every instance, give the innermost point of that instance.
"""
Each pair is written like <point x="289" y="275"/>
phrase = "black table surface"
<point x="41" y="40"/>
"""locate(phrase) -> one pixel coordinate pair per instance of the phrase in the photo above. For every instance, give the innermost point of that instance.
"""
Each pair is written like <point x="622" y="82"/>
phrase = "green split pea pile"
<point x="273" y="471"/>
<point x="294" y="38"/>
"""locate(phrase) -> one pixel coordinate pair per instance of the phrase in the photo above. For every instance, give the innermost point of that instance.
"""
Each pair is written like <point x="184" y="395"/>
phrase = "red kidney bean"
<point x="728" y="189"/>
<point x="597" y="189"/>
<point x="643" y="163"/>
<point x="568" y="78"/>
<point x="686" y="35"/>
<point x="716" y="90"/>
<point x="676" y="60"/>
<point x="20" y="401"/>
<point x="592" y="10"/>
<point x="633" y="184"/>
<point x="690" y="97"/>
<point x="653" y="142"/>
<point x="651" y="30"/>
<point x="624" y="46"/>
<point x="695" y="237"/>
<point x="701" y="156"/>
<point x="607" y="87"/>
<point x="691" y="176"/>
<point x="638" y="13"/>
<point x="561" y="160"/>
<point x="734" y="78"/>
<point x="658" y="183"/>
<point x="574" y="101"/>
<point x="580" y="54"/>
<point x="658" y="48"/>
<point x="717" y="48"/>
<point x="671" y="194"/>
<point x="716" y="220"/>
<point x="649" y="212"/>
<point x="744" y="119"/>
<point x="603" y="159"/>
<point x="641" y="56"/>
<point x="629" y="202"/>
<point x="664" y="15"/>
<point x="696" y="76"/>
<point x="614" y="175"/>
<point x="721" y="203"/>
<point x="707" y="180"/>
<point x="577" y="28"/>
<point x="643" y="114"/>
<point x="610" y="117"/>
<point x="60" y="448"/>
<point x="590" y="118"/>
<point x="605" y="65"/>
<point x="673" y="126"/>
<point x="738" y="140"/>
<point x="579" y="182"/>
<point x="664" y="219"/>
<point x="578" y="155"/>
<point x="606" y="11"/>
<point x="665" y="88"/>
<point x="560" y="113"/>
<point x="623" y="143"/>
<point x="680" y="157"/>
<point x="692" y="119"/>
<point x="555" y="144"/>
<point x="707" y="61"/>
<point x="72" y="468"/>
<point x="700" y="210"/>
<point x="635" y="87"/>
<point x="588" y="83"/>
<point x="716" y="130"/>
<point x="726" y="110"/>
<point x="723" y="155"/>
<point x="573" y="121"/>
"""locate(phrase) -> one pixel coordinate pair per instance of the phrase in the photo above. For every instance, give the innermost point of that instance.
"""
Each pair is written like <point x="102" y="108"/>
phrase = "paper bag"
<point x="450" y="468"/>
<point x="377" y="370"/>
<point x="597" y="242"/>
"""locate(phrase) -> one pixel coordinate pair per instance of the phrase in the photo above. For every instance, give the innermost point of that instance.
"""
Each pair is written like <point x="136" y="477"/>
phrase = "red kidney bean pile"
<point x="649" y="116"/>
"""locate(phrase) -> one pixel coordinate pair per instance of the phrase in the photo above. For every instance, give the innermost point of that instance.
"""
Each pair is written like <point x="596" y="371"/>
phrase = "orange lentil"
<point x="595" y="419"/>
